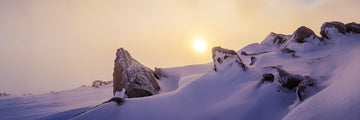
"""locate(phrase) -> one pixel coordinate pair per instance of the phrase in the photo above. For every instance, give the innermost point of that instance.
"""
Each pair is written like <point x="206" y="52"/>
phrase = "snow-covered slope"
<point x="232" y="93"/>
<point x="54" y="106"/>
<point x="292" y="77"/>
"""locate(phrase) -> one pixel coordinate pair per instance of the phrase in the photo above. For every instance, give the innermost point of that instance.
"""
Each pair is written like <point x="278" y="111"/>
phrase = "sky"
<point x="53" y="45"/>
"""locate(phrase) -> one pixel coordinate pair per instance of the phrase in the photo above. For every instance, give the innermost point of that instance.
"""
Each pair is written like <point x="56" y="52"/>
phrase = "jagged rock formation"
<point x="303" y="32"/>
<point x="290" y="81"/>
<point x="352" y="27"/>
<point x="338" y="25"/>
<point x="221" y="56"/>
<point x="278" y="38"/>
<point x="138" y="80"/>
<point x="275" y="39"/>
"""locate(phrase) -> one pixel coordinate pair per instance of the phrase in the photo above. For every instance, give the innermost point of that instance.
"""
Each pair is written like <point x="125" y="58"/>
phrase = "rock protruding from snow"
<point x="274" y="39"/>
<point x="303" y="85"/>
<point x="291" y="81"/>
<point x="4" y="94"/>
<point x="253" y="60"/>
<point x="138" y="80"/>
<point x="303" y="32"/>
<point x="352" y="27"/>
<point x="267" y="77"/>
<point x="223" y="57"/>
<point x="326" y="31"/>
<point x="98" y="83"/>
<point x="288" y="51"/>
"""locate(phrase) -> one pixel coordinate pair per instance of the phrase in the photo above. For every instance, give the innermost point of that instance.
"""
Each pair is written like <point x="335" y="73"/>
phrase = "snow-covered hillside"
<point x="292" y="77"/>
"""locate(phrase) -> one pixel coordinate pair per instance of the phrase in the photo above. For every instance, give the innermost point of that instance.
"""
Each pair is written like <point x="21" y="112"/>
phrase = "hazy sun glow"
<point x="199" y="44"/>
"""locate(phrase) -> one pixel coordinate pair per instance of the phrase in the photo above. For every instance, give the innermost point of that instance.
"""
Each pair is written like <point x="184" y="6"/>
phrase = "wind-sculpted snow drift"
<point x="279" y="78"/>
<point x="292" y="77"/>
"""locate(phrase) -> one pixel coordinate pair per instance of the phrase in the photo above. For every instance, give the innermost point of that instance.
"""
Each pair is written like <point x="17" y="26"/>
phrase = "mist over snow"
<point x="299" y="76"/>
<point x="62" y="44"/>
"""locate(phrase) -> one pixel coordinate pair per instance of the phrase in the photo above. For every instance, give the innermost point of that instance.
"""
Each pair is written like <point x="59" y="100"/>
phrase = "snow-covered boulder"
<point x="224" y="57"/>
<point x="328" y="29"/>
<point x="352" y="27"/>
<point x="302" y="33"/>
<point x="138" y="80"/>
<point x="293" y="81"/>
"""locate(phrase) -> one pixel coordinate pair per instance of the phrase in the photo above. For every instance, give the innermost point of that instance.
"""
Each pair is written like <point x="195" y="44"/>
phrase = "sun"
<point x="199" y="44"/>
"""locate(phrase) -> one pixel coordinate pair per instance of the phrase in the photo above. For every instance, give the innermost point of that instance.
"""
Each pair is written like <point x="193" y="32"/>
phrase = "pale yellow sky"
<point x="62" y="44"/>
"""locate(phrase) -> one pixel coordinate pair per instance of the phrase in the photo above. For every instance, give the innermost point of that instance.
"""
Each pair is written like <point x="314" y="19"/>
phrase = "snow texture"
<point x="197" y="92"/>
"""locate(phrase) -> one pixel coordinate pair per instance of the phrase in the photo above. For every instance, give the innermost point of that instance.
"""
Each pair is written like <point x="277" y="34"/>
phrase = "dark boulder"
<point x="221" y="55"/>
<point x="291" y="82"/>
<point x="138" y="80"/>
<point x="352" y="27"/>
<point x="288" y="80"/>
<point x="338" y="25"/>
<point x="136" y="92"/>
<point x="267" y="77"/>
<point x="301" y="33"/>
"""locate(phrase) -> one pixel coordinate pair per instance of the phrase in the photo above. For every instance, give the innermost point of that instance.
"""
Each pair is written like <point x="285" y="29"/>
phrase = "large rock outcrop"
<point x="335" y="24"/>
<point x="303" y="32"/>
<point x="352" y="27"/>
<point x="138" y="80"/>
<point x="224" y="57"/>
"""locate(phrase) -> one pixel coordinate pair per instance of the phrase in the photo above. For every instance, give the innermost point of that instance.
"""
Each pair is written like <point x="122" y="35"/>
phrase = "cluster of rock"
<point x="4" y="94"/>
<point x="138" y="80"/>
<point x="289" y="81"/>
<point x="303" y="32"/>
<point x="305" y="35"/>
<point x="98" y="83"/>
